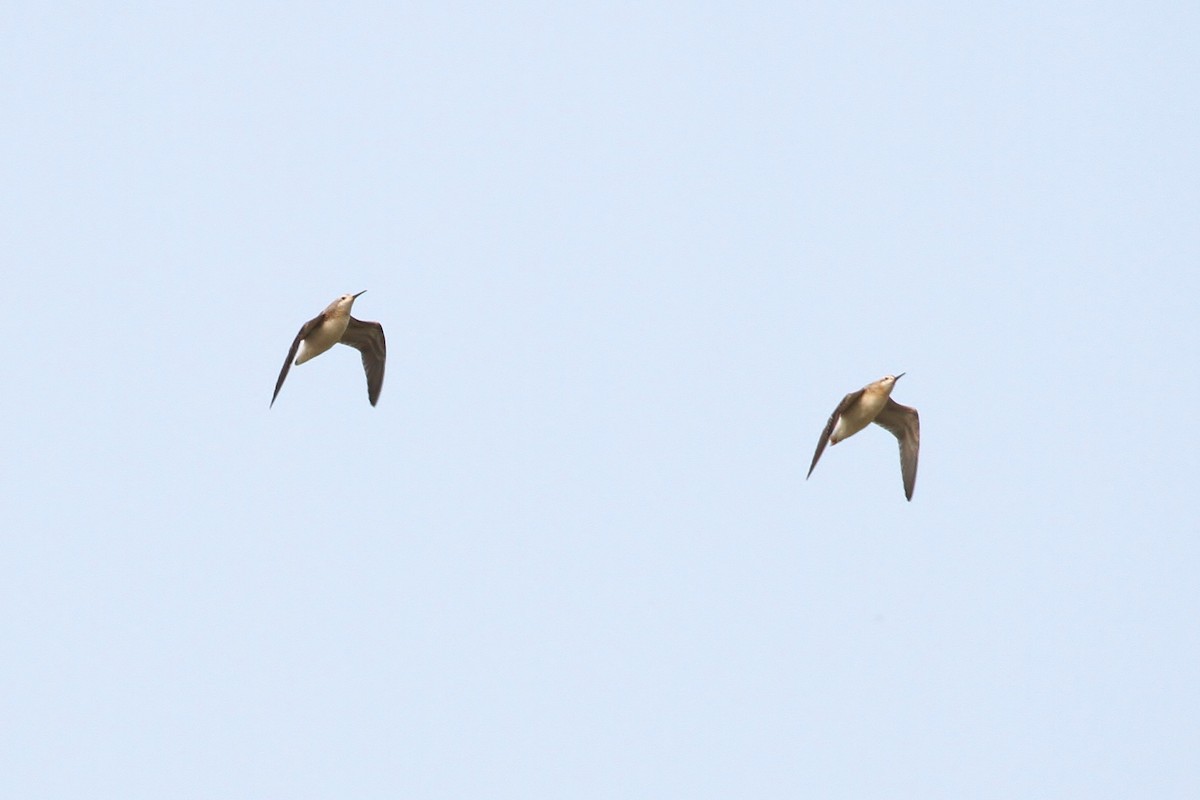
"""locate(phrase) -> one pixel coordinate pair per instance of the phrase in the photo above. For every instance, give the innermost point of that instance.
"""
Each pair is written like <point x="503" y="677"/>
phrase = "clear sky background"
<point x="628" y="257"/>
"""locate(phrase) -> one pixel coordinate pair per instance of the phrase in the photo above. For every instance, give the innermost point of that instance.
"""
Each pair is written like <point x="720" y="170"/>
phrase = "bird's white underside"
<point x="324" y="337"/>
<point x="861" y="415"/>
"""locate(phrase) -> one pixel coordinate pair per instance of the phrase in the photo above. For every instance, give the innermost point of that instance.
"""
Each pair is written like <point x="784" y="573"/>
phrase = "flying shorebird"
<point x="873" y="403"/>
<point x="332" y="326"/>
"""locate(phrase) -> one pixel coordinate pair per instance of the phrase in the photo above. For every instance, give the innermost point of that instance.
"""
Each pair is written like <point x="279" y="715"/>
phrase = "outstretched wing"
<point x="367" y="338"/>
<point x="903" y="423"/>
<point x="847" y="401"/>
<point x="305" y="330"/>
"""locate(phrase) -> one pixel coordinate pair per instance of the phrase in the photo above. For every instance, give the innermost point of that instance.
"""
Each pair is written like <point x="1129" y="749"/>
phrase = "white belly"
<point x="325" y="336"/>
<point x="858" y="416"/>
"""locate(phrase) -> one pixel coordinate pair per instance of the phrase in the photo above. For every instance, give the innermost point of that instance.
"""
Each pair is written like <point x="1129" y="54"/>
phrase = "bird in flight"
<point x="333" y="326"/>
<point x="874" y="403"/>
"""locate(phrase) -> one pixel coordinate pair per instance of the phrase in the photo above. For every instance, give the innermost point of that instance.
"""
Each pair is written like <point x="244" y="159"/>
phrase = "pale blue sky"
<point x="628" y="258"/>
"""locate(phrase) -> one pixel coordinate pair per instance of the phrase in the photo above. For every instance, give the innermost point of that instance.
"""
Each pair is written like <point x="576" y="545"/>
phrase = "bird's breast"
<point x="858" y="416"/>
<point x="323" y="337"/>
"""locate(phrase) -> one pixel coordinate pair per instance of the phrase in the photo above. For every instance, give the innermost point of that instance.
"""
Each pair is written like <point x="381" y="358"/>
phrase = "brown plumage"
<point x="873" y="403"/>
<point x="333" y="326"/>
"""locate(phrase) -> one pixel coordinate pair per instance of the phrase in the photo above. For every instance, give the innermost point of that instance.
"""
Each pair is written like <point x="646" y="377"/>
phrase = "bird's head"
<point x="888" y="382"/>
<point x="347" y="300"/>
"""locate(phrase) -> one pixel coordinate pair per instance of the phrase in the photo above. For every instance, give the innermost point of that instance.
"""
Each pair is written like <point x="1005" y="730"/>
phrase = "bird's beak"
<point x="364" y="291"/>
<point x="901" y="375"/>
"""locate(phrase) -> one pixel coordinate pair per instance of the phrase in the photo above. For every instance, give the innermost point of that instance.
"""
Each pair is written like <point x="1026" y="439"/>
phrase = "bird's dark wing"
<point x="367" y="338"/>
<point x="305" y="330"/>
<point x="903" y="423"/>
<point x="847" y="401"/>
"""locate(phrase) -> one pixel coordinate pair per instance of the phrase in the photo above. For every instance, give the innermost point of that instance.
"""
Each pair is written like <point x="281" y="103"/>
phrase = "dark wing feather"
<point x="367" y="338"/>
<point x="904" y="423"/>
<point x="847" y="401"/>
<point x="305" y="330"/>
